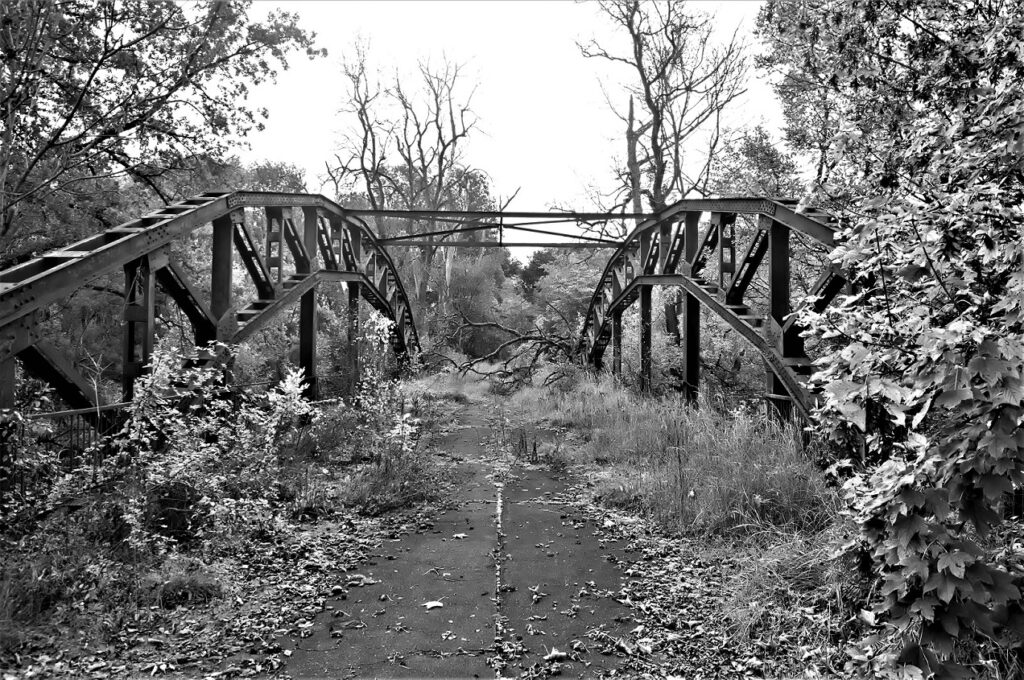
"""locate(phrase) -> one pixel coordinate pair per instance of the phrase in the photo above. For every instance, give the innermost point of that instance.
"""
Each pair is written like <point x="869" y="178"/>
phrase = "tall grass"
<point x="692" y="468"/>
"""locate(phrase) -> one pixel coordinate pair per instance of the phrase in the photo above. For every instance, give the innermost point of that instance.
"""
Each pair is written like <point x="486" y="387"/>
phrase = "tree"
<point x="810" y="104"/>
<point x="404" y="151"/>
<point x="753" y="164"/>
<point x="95" y="90"/>
<point x="535" y="269"/>
<point x="931" y="147"/>
<point x="681" y="83"/>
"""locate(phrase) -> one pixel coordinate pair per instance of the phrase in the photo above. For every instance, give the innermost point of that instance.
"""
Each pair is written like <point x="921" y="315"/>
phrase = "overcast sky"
<point x="545" y="127"/>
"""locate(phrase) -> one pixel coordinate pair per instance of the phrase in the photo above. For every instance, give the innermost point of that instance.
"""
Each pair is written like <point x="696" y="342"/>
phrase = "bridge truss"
<point x="307" y="240"/>
<point x="671" y="249"/>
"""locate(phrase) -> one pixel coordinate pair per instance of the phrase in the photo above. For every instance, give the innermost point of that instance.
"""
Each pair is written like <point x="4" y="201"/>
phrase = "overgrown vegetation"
<point x="909" y="117"/>
<point x="733" y="493"/>
<point x="692" y="469"/>
<point x="198" y="477"/>
<point x="924" y="161"/>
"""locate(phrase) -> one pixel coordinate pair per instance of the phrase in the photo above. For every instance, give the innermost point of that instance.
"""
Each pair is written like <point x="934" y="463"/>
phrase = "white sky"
<point x="545" y="127"/>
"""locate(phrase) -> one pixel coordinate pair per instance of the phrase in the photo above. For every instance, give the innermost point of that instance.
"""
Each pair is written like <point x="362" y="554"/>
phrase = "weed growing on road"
<point x="731" y="488"/>
<point x="692" y="469"/>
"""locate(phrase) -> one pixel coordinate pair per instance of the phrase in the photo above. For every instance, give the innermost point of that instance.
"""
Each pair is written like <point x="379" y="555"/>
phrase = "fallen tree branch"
<point x="520" y="355"/>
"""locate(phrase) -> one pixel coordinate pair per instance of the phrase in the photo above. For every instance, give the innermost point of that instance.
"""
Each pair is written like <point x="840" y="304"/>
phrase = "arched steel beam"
<point x="652" y="252"/>
<point x="380" y="283"/>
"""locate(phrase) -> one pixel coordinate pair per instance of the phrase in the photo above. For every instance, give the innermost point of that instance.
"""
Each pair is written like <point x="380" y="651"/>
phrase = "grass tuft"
<point x="692" y="469"/>
<point x="181" y="582"/>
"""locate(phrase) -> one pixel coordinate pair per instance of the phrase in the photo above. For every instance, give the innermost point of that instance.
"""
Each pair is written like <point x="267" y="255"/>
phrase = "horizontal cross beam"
<point x="498" y="214"/>
<point x="495" y="244"/>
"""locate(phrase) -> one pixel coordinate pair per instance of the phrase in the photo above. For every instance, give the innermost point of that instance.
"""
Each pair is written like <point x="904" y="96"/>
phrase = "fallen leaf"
<point x="433" y="604"/>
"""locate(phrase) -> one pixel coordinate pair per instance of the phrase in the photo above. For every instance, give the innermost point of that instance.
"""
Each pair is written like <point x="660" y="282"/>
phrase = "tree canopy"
<point x="92" y="91"/>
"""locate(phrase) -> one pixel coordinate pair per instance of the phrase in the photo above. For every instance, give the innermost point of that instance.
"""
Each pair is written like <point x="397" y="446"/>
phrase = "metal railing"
<point x="36" y="446"/>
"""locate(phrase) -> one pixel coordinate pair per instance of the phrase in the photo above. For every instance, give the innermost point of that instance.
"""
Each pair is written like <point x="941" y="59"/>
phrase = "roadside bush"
<point x="195" y="457"/>
<point x="195" y="467"/>
<point x="197" y="472"/>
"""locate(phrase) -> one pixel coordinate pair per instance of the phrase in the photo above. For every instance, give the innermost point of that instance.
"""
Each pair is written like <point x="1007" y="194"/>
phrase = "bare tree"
<point x="682" y="83"/>
<point x="404" y="151"/>
<point x="679" y="85"/>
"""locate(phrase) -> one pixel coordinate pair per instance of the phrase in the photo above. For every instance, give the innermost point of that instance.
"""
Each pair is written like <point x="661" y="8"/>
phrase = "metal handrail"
<point x="78" y="411"/>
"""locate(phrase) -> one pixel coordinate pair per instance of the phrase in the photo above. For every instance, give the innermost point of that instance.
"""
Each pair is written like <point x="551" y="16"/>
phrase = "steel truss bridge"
<point x="307" y="240"/>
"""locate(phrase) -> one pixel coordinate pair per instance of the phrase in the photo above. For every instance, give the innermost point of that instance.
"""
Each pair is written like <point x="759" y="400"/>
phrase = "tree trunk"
<point x="633" y="164"/>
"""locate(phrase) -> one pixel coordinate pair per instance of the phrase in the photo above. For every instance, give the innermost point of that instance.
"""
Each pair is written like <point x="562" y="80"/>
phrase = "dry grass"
<point x="796" y="592"/>
<point x="692" y="469"/>
<point x="737" y="481"/>
<point x="397" y="479"/>
<point x="448" y="385"/>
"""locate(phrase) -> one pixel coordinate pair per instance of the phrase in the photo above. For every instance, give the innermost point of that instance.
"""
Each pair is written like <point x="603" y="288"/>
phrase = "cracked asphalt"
<point x="524" y="585"/>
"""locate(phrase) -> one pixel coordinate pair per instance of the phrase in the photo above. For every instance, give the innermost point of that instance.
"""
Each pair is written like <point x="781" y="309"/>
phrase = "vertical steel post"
<point x="645" y="338"/>
<point x="646" y="243"/>
<point x="787" y="344"/>
<point x="691" y="347"/>
<point x="726" y="250"/>
<point x="275" y="243"/>
<point x="139" y="321"/>
<point x="671" y="307"/>
<point x="221" y="269"/>
<point x="617" y="342"/>
<point x="307" y="305"/>
<point x="690" y="322"/>
<point x="7" y="385"/>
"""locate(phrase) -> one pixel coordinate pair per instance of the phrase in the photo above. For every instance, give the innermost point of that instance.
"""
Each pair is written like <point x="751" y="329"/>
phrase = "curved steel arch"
<point x="668" y="249"/>
<point x="329" y="246"/>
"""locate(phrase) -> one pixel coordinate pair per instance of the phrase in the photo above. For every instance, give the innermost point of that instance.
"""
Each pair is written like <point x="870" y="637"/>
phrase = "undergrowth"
<point x="197" y="475"/>
<point x="692" y="469"/>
